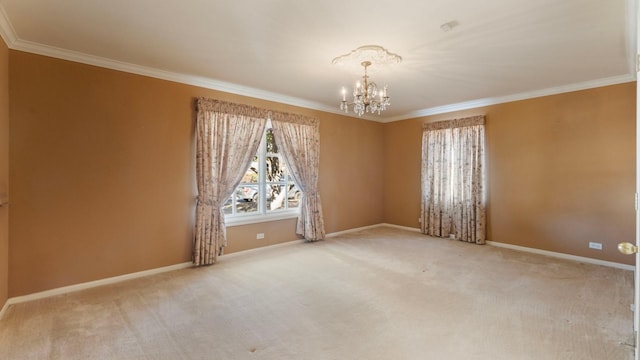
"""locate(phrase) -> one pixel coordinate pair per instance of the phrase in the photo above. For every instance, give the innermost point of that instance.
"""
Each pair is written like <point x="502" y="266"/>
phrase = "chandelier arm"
<point x="364" y="99"/>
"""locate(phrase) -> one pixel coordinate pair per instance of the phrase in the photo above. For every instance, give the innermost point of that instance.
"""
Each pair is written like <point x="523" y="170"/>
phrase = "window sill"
<point x="238" y="220"/>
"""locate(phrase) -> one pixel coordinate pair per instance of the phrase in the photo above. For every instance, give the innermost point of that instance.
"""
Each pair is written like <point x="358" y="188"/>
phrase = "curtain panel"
<point x="453" y="183"/>
<point x="227" y="137"/>
<point x="299" y="138"/>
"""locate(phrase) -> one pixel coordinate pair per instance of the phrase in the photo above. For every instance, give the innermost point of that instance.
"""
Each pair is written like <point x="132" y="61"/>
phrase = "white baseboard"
<point x="261" y="248"/>
<point x="116" y="279"/>
<point x="400" y="227"/>
<point x="334" y="234"/>
<point x="4" y="308"/>
<point x="90" y="284"/>
<point x="581" y="259"/>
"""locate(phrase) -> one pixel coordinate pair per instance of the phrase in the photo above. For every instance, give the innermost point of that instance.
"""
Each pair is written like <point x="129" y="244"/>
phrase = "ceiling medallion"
<point x="366" y="95"/>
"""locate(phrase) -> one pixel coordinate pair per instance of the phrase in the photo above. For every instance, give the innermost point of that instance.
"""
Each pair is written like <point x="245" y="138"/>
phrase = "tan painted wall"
<point x="4" y="171"/>
<point x="103" y="181"/>
<point x="561" y="171"/>
<point x="101" y="167"/>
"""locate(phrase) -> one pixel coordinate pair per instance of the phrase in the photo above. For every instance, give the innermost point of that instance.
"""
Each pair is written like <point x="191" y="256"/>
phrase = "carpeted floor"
<point x="378" y="294"/>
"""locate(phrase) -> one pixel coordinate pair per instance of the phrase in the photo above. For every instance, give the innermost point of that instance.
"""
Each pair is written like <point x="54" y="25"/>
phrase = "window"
<point x="266" y="191"/>
<point x="453" y="180"/>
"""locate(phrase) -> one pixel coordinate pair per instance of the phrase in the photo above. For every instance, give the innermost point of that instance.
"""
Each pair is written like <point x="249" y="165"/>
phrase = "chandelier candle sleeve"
<point x="365" y="96"/>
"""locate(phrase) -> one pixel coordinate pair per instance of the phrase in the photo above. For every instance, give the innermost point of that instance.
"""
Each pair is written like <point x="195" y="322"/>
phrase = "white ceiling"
<point x="281" y="50"/>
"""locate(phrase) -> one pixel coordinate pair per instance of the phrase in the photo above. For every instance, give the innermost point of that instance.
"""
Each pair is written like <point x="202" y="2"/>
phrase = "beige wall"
<point x="561" y="171"/>
<point x="101" y="167"/>
<point x="4" y="171"/>
<point x="103" y="181"/>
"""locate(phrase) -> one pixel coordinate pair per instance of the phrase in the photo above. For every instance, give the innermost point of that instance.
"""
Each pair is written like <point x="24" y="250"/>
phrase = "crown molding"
<point x="207" y="83"/>
<point x="8" y="34"/>
<point x="614" y="80"/>
<point x="631" y="34"/>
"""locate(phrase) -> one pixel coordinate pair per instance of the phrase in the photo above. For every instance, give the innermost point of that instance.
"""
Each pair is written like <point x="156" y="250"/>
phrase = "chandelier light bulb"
<point x="367" y="98"/>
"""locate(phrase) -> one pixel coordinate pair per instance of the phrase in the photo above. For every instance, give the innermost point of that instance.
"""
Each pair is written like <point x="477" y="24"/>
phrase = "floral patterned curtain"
<point x="299" y="138"/>
<point x="453" y="198"/>
<point x="227" y="138"/>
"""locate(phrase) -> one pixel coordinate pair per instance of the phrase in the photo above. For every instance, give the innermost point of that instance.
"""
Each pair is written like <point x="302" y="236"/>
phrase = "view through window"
<point x="266" y="187"/>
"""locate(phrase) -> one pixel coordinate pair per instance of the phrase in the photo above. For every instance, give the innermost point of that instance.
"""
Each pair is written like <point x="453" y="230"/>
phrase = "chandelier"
<point x="367" y="97"/>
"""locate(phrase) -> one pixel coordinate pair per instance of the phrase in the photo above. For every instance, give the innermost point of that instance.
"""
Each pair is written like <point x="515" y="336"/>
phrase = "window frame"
<point x="263" y="214"/>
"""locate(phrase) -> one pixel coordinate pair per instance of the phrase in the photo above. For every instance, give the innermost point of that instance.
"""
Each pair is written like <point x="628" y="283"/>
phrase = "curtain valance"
<point x="455" y="123"/>
<point x="205" y="104"/>
<point x="225" y="107"/>
<point x="294" y="118"/>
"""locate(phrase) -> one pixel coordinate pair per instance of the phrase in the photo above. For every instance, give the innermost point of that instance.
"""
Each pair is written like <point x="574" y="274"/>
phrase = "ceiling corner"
<point x="632" y="34"/>
<point x="7" y="32"/>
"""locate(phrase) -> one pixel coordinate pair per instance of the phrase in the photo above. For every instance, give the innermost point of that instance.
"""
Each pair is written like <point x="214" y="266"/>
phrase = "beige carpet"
<point x="378" y="294"/>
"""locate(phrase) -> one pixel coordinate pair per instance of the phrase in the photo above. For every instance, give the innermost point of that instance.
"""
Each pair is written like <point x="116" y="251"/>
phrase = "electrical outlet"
<point x="260" y="236"/>
<point x="595" y="245"/>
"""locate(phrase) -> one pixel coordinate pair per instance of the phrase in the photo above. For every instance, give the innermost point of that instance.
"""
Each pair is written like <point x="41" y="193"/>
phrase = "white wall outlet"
<point x="260" y="236"/>
<point x="595" y="245"/>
